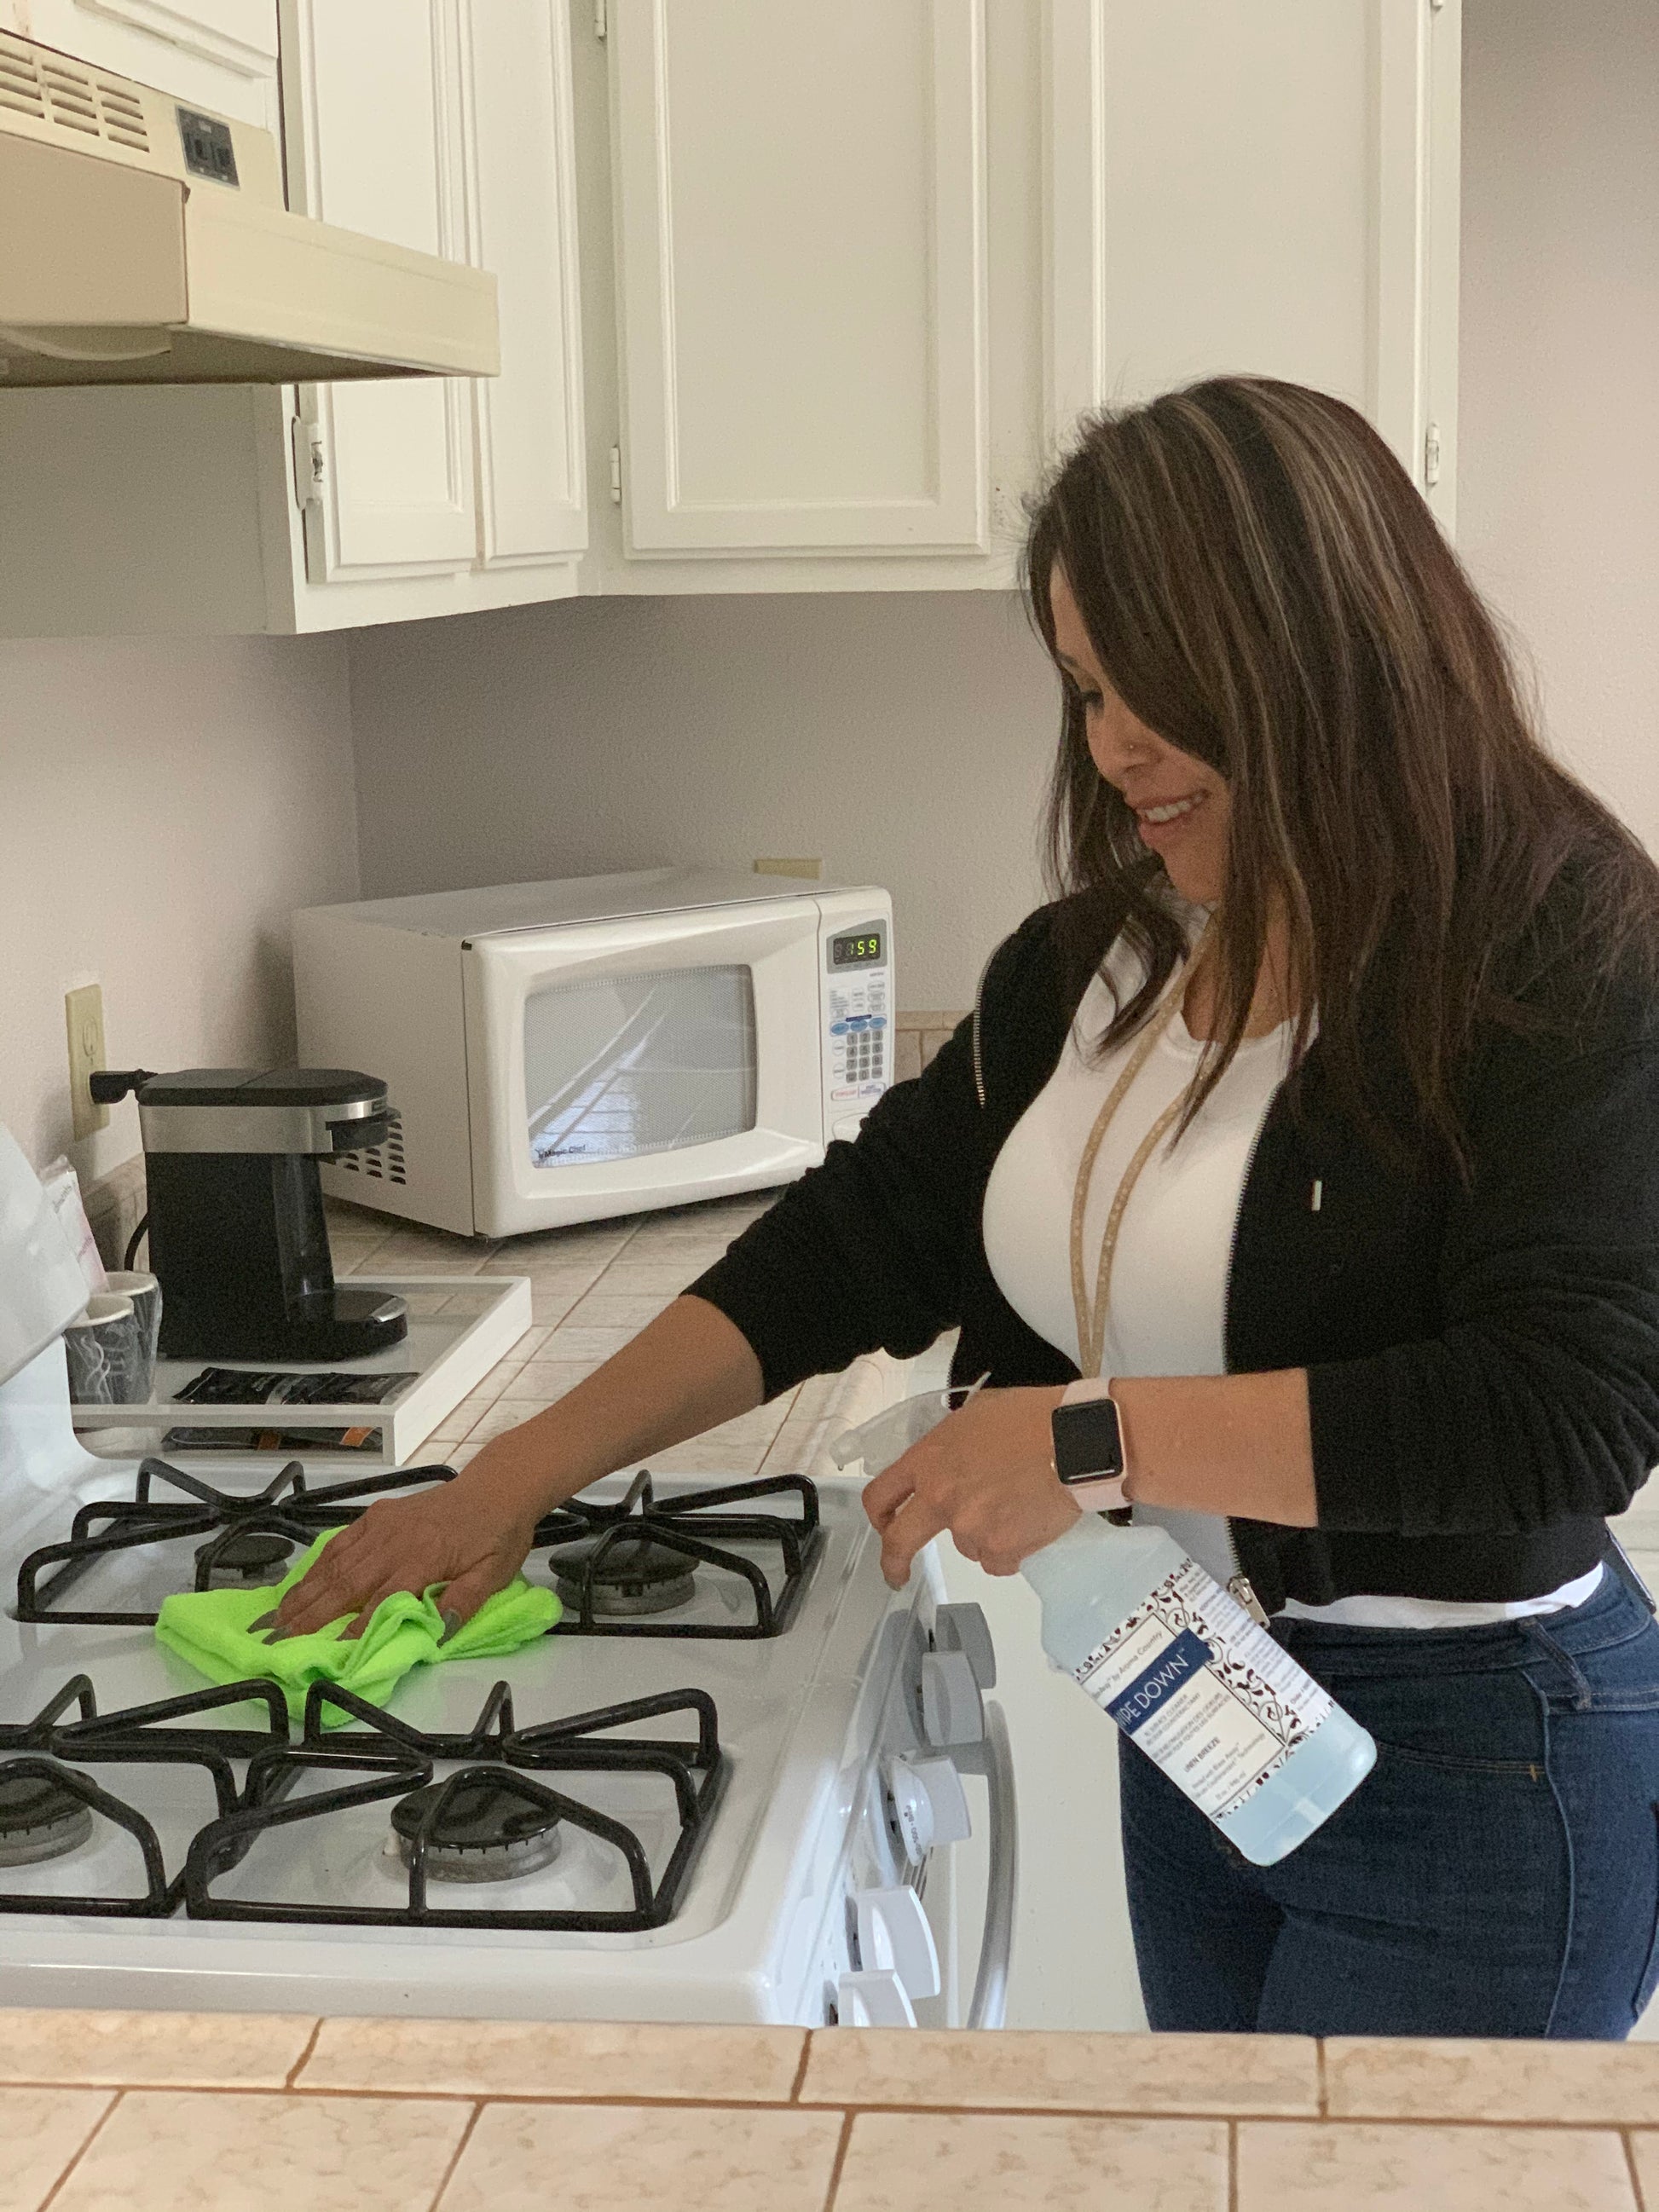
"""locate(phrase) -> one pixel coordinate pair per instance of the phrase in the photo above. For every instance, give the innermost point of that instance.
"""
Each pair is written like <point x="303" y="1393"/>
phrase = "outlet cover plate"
<point x="83" y="1016"/>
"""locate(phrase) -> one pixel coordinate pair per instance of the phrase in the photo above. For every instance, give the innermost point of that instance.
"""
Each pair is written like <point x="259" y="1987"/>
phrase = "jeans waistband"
<point x="1612" y="1615"/>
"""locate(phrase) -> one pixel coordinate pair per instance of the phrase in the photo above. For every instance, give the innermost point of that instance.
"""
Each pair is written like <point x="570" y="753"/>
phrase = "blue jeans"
<point x="1497" y="1873"/>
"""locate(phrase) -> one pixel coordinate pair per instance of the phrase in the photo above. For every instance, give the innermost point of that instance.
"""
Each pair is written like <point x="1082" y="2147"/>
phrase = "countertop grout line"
<point x="1232" y="2165"/>
<point x="294" y="2070"/>
<point x="1323" y="2091"/>
<point x="1630" y="2168"/>
<point x="799" y="2082"/>
<point x="456" y="2155"/>
<point x="841" y="2144"/>
<point x="93" y="2134"/>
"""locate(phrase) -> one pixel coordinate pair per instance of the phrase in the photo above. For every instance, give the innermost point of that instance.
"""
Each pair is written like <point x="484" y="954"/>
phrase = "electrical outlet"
<point x="83" y="1015"/>
<point x="812" y="870"/>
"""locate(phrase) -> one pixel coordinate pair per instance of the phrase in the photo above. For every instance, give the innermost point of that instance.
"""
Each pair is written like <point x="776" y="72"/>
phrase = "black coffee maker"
<point x="237" y="1238"/>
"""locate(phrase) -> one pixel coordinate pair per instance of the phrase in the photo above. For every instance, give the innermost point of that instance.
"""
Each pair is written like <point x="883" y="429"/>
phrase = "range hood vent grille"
<point x="55" y="91"/>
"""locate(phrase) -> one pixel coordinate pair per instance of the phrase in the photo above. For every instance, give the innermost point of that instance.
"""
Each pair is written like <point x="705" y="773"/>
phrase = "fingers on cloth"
<point x="335" y="1585"/>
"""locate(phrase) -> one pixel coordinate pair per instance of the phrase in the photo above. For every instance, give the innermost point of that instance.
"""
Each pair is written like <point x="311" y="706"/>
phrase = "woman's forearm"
<point x="1221" y="1443"/>
<point x="687" y="1370"/>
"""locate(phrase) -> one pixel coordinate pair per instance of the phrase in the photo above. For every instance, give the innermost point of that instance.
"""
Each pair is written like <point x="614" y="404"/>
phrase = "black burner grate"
<point x="224" y="1527"/>
<point x="50" y="1751"/>
<point x="397" y="1761"/>
<point x="694" y="1526"/>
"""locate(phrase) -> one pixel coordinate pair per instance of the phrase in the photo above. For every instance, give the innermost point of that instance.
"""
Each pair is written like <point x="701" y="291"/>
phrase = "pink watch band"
<point x="1107" y="1495"/>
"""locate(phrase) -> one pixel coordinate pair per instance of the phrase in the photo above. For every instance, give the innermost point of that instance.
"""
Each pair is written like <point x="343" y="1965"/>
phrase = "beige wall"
<point x="163" y="807"/>
<point x="903" y="739"/>
<point x="1558" y="501"/>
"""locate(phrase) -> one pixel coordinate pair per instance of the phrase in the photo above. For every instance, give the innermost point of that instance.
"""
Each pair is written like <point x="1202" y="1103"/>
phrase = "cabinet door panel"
<point x="800" y="197"/>
<point x="379" y="83"/>
<point x="521" y="157"/>
<point x="1249" y="190"/>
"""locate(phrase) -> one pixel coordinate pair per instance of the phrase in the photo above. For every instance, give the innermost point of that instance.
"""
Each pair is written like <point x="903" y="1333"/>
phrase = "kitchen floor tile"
<point x="183" y="2050"/>
<point x="618" y="2158"/>
<point x="1390" y="2078"/>
<point x="166" y="2151"/>
<point x="40" y="2131"/>
<point x="531" y="2059"/>
<point x="1276" y="2074"/>
<point x="958" y="2162"/>
<point x="1354" y="2168"/>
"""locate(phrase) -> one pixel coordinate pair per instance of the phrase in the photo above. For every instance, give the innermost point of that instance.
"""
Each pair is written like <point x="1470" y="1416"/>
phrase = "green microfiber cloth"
<point x="210" y="1629"/>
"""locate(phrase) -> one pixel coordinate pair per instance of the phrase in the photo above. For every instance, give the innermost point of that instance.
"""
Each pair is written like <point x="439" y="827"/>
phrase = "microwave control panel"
<point x="858" y="1014"/>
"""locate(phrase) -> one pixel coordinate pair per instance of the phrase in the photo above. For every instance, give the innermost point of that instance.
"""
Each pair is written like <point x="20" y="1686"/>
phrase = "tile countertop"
<point x="591" y="1288"/>
<point x="152" y="2112"/>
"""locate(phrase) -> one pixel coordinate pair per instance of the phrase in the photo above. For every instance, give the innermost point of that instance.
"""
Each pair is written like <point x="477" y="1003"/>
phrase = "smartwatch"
<point x="1088" y="1437"/>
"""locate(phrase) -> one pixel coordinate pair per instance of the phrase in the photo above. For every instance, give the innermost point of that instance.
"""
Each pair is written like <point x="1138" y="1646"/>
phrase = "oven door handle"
<point x="994" y="1758"/>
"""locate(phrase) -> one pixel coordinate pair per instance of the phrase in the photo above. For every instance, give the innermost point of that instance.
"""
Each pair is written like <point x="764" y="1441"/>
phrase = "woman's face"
<point x="1182" y="806"/>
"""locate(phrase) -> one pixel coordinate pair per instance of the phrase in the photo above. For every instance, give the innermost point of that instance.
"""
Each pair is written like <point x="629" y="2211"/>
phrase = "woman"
<point x="1320" y="1115"/>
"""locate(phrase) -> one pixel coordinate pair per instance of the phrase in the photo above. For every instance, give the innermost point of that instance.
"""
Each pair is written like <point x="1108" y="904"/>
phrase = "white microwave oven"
<point x="559" y="1052"/>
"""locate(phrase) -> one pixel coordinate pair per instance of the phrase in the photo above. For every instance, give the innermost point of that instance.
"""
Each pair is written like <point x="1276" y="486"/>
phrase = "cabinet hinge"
<point x="1431" y="455"/>
<point x="601" y="24"/>
<point x="616" y="476"/>
<point x="309" y="466"/>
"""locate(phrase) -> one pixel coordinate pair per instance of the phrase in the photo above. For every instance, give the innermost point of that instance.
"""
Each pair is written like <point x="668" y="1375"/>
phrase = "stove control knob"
<point x="929" y="1805"/>
<point x="964" y="1628"/>
<point x="952" y="1711"/>
<point x="894" y="1936"/>
<point x="873" y="1999"/>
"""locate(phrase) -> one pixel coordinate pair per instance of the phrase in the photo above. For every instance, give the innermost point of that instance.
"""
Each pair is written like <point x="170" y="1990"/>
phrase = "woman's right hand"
<point x="462" y="1534"/>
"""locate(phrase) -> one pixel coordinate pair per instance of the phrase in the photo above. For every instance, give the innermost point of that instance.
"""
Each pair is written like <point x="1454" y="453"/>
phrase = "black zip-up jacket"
<point x="1482" y="1354"/>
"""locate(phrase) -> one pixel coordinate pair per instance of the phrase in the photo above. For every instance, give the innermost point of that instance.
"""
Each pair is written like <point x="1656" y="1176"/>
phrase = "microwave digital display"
<point x="864" y="949"/>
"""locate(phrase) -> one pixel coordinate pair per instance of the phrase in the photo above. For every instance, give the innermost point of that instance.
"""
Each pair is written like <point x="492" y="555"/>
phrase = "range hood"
<point x="144" y="242"/>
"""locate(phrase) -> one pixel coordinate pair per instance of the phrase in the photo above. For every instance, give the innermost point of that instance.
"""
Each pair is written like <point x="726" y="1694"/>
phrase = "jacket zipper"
<point x="979" y="1058"/>
<point x="1239" y="1582"/>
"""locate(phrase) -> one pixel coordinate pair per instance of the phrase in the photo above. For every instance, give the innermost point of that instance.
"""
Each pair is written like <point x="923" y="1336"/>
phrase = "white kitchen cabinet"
<point x="1271" y="190"/>
<point x="831" y="229"/>
<point x="221" y="54"/>
<point x="442" y="124"/>
<point x="801" y="254"/>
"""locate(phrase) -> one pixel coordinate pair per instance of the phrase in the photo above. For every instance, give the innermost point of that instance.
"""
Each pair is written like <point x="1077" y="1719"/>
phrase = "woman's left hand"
<point x="987" y="1474"/>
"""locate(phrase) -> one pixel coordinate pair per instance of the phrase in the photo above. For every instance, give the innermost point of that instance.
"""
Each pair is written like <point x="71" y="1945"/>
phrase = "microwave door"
<point x="642" y="1062"/>
<point x="619" y="1066"/>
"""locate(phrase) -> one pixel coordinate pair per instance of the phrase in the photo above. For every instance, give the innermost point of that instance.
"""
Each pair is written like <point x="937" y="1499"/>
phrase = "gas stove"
<point x="721" y="1789"/>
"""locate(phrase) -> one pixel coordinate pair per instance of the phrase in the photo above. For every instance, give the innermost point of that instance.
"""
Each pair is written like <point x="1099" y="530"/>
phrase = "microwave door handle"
<point x="994" y="1758"/>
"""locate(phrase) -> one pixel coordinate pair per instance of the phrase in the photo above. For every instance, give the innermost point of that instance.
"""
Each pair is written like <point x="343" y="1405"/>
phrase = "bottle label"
<point x="1205" y="1693"/>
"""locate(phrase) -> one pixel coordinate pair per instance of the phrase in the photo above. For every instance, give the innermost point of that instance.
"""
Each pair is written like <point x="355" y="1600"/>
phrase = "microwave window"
<point x="620" y="1066"/>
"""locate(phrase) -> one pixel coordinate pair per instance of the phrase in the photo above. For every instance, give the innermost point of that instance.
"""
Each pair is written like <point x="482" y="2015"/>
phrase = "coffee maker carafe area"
<point x="237" y="1235"/>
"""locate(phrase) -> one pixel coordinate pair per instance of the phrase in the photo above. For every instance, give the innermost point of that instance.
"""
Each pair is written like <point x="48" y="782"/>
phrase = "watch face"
<point x="1088" y="1441"/>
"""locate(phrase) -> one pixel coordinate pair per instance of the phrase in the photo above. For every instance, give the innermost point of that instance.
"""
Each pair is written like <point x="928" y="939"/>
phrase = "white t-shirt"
<point x="1168" y="1297"/>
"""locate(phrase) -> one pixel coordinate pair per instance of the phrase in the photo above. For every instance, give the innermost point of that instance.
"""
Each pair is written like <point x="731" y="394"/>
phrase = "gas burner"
<point x="612" y="1562"/>
<point x="475" y="1830"/>
<point x="47" y="1800"/>
<point x="630" y="1575"/>
<point x="40" y="1816"/>
<point x="245" y="1538"/>
<point x="243" y="1555"/>
<point x="493" y="1820"/>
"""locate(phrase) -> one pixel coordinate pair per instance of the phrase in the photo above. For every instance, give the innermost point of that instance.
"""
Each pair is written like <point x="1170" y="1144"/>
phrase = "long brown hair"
<point x="1266" y="590"/>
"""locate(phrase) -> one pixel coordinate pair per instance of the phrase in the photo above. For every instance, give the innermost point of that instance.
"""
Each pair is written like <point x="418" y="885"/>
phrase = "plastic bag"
<point x="63" y="1188"/>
